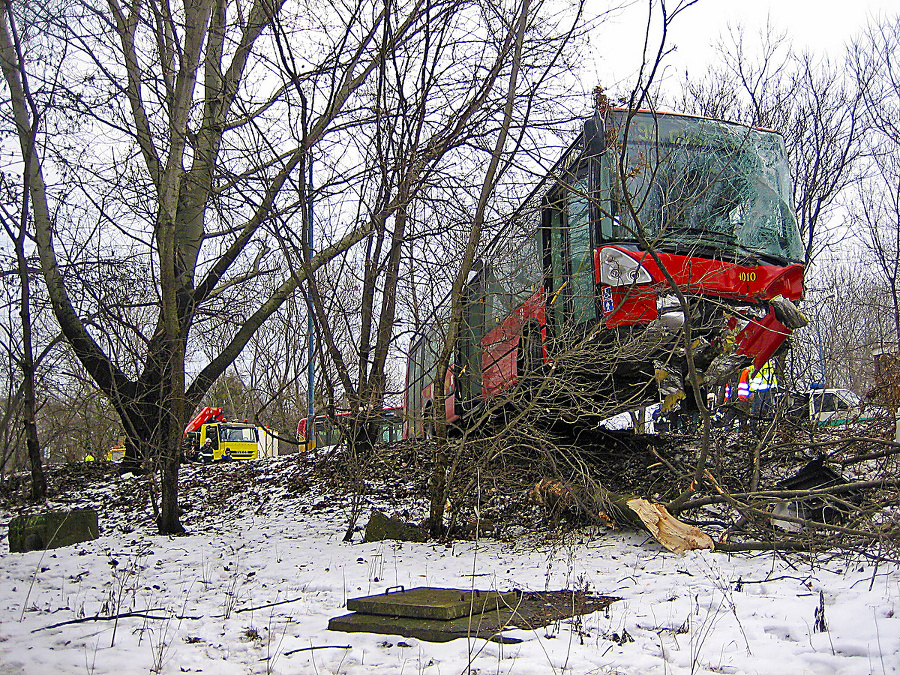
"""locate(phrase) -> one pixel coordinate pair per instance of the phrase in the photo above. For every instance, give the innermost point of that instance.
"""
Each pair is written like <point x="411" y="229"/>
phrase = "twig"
<point x="766" y="437"/>
<point x="665" y="461"/>
<point x="271" y="604"/>
<point x="309" y="649"/>
<point x="114" y="617"/>
<point x="746" y="582"/>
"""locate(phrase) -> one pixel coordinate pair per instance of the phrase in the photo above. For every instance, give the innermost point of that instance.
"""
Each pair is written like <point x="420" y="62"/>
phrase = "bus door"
<point x="468" y="364"/>
<point x="568" y="252"/>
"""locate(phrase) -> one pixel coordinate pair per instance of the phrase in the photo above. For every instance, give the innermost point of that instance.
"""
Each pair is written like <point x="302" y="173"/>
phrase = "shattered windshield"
<point x="706" y="183"/>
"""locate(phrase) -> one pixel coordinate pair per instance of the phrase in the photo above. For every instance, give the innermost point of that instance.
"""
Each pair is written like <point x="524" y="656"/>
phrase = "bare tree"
<point x="206" y="144"/>
<point x="870" y="58"/>
<point x="875" y="211"/>
<point x="429" y="147"/>
<point x="21" y="401"/>
<point x="11" y="427"/>
<point x="75" y="419"/>
<point x="17" y="226"/>
<point x="876" y="219"/>
<point x="815" y="104"/>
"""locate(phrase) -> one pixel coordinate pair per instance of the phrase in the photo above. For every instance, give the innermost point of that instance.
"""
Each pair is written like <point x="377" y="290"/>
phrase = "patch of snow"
<point x="252" y="587"/>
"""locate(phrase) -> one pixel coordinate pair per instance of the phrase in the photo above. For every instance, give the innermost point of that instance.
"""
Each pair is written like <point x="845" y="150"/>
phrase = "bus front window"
<point x="704" y="183"/>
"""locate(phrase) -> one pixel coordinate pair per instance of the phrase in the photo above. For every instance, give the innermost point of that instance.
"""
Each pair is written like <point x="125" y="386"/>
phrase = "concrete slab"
<point x="432" y="603"/>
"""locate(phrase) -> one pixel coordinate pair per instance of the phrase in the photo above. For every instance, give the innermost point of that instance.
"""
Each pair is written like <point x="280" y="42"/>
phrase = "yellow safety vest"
<point x="765" y="378"/>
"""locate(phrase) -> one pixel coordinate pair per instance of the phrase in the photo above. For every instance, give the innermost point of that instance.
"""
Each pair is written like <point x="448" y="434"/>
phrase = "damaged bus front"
<point x="650" y="223"/>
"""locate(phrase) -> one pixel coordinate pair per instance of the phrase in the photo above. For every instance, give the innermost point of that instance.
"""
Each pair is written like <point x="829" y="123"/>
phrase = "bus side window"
<point x="556" y="253"/>
<point x="321" y="434"/>
<point x="567" y="220"/>
<point x="613" y="219"/>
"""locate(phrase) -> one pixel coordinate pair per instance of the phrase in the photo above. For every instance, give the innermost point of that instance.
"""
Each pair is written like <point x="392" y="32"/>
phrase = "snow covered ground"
<point x="277" y="539"/>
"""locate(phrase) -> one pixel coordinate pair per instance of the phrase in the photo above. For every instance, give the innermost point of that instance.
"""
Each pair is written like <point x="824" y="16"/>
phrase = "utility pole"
<point x="310" y="321"/>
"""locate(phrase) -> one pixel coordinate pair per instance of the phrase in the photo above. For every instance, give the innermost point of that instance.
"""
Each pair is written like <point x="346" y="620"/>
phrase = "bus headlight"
<point x="617" y="268"/>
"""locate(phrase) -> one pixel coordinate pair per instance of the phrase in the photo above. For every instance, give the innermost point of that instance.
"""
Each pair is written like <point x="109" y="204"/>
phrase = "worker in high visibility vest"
<point x="762" y="386"/>
<point x="207" y="452"/>
<point x="743" y="389"/>
<point x="737" y="402"/>
<point x="765" y="378"/>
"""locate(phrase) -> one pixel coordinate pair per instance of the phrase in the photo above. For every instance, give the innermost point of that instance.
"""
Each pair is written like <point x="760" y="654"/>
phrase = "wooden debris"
<point x="553" y="494"/>
<point x="625" y="509"/>
<point x="675" y="535"/>
<point x="556" y="496"/>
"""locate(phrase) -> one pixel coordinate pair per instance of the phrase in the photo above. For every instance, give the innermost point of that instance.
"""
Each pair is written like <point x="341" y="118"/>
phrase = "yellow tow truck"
<point x="229" y="440"/>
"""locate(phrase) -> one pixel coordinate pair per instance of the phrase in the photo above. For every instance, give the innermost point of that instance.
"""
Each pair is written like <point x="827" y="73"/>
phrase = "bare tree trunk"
<point x="27" y="365"/>
<point x="439" y="487"/>
<point x="38" y="480"/>
<point x="17" y="234"/>
<point x="895" y="297"/>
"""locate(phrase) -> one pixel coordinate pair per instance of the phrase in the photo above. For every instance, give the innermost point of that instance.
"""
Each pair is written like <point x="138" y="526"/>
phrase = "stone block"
<point x="53" y="529"/>
<point x="381" y="527"/>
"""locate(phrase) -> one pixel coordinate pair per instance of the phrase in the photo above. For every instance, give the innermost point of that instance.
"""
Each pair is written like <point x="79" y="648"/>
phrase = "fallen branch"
<point x="791" y="494"/>
<point x="266" y="606"/>
<point x="837" y="441"/>
<point x="310" y="649"/>
<point x="625" y="509"/>
<point x="806" y="522"/>
<point x="894" y="449"/>
<point x="786" y="545"/>
<point x="113" y="617"/>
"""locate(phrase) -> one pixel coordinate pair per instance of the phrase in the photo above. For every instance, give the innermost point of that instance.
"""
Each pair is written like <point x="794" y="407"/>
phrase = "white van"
<point x="827" y="407"/>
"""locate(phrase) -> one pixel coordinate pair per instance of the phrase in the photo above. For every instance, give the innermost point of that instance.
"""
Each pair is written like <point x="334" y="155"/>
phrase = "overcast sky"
<point x="820" y="25"/>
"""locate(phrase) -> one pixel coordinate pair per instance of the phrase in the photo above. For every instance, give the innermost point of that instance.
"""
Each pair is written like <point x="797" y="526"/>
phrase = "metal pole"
<point x="821" y="352"/>
<point x="819" y="338"/>
<point x="310" y="323"/>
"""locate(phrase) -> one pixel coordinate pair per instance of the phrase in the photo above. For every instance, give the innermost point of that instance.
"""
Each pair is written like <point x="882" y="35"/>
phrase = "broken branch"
<point x="267" y="605"/>
<point x="113" y="617"/>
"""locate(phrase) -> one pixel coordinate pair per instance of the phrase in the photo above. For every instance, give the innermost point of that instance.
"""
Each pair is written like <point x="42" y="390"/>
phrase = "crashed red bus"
<point x="705" y="201"/>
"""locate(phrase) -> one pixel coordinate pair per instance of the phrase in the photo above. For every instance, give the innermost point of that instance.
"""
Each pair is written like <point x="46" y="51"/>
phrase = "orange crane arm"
<point x="203" y="417"/>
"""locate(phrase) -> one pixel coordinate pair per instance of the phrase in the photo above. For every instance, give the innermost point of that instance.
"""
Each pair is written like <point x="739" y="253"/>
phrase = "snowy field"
<point x="251" y="589"/>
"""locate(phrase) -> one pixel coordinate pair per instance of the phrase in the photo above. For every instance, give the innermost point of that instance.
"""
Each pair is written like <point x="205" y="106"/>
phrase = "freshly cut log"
<point x="624" y="509"/>
<point x="676" y="536"/>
